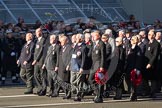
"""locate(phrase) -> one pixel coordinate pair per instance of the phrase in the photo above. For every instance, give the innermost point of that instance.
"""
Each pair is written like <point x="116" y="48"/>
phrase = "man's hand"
<point x="34" y="62"/>
<point x="25" y="62"/>
<point x="56" y="69"/>
<point x="101" y="69"/>
<point x="80" y="71"/>
<point x="43" y="67"/>
<point x="17" y="61"/>
<point x="67" y="68"/>
<point x="148" y="66"/>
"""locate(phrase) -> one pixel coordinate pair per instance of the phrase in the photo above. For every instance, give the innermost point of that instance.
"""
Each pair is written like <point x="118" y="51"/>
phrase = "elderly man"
<point x="63" y="64"/>
<point x="151" y="59"/>
<point x="78" y="66"/>
<point x="50" y="64"/>
<point x="98" y="62"/>
<point x="25" y="60"/>
<point x="39" y="73"/>
<point x="111" y="40"/>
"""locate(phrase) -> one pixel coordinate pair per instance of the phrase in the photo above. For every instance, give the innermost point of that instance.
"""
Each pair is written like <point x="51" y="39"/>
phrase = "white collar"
<point x="39" y="38"/>
<point x="97" y="42"/>
<point x="28" y="42"/>
<point x="133" y="46"/>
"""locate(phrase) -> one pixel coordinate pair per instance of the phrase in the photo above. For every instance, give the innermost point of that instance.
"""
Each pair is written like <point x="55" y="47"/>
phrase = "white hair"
<point x="109" y="32"/>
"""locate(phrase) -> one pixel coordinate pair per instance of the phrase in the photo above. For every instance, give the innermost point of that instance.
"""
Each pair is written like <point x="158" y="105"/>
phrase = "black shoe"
<point x="43" y="93"/>
<point x="66" y="97"/>
<point x="54" y="95"/>
<point x="133" y="97"/>
<point x="117" y="98"/>
<point x="98" y="100"/>
<point x="28" y="92"/>
<point x="77" y="99"/>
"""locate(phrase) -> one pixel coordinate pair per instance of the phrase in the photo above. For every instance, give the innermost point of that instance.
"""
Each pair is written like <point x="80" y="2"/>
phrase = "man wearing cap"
<point x="25" y="60"/>
<point x="98" y="62"/>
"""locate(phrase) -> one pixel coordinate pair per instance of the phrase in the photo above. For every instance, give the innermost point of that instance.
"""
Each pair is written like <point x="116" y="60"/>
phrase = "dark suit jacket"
<point x="66" y="55"/>
<point x="63" y="61"/>
<point x="88" y="59"/>
<point x="38" y="53"/>
<point x="27" y="55"/>
<point x="151" y="57"/>
<point x="108" y="54"/>
<point x="78" y="61"/>
<point x="51" y="57"/>
<point x="98" y="55"/>
<point x="120" y="54"/>
<point x="143" y="47"/>
<point x="134" y="59"/>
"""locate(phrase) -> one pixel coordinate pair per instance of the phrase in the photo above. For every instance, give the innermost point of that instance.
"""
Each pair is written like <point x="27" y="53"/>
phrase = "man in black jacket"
<point x="98" y="61"/>
<point x="151" y="59"/>
<point x="25" y="60"/>
<point x="50" y="63"/>
<point x="39" y="73"/>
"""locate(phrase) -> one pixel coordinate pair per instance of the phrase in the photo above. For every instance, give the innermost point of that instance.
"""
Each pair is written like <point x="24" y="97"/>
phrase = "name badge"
<point x="27" y="52"/>
<point x="149" y="48"/>
<point x="78" y="53"/>
<point x="74" y="55"/>
<point x="37" y="46"/>
<point x="96" y="51"/>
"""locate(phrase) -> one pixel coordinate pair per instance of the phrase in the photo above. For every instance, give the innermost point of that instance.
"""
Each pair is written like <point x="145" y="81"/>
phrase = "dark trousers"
<point x="9" y="67"/>
<point x="51" y="75"/>
<point x="40" y="77"/>
<point x="27" y="76"/>
<point x="133" y="91"/>
<point x="98" y="89"/>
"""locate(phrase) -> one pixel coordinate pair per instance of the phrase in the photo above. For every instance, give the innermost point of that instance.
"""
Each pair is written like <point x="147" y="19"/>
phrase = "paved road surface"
<point x="13" y="97"/>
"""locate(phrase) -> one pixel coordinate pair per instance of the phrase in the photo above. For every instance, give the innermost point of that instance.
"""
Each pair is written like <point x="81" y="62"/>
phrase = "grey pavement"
<point x="13" y="97"/>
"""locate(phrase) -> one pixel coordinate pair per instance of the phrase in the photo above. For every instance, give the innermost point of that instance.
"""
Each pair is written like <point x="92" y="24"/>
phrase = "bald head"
<point x="38" y="32"/>
<point x="29" y="37"/>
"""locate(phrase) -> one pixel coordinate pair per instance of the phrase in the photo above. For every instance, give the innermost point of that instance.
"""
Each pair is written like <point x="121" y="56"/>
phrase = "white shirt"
<point x="39" y="39"/>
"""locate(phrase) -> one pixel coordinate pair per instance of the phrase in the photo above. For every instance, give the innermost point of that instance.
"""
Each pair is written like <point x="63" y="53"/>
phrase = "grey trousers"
<point x="52" y="75"/>
<point x="27" y="76"/>
<point x="77" y="81"/>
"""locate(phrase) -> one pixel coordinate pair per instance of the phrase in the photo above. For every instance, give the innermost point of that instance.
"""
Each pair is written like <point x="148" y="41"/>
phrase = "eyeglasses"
<point x="116" y="41"/>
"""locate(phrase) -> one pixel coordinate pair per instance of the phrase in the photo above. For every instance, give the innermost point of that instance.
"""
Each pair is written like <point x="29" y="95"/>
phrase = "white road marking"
<point x="15" y="96"/>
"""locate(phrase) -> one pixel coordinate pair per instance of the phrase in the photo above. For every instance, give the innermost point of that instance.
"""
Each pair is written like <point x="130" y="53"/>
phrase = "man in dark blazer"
<point x="98" y="61"/>
<point x="78" y="65"/>
<point x="151" y="59"/>
<point x="63" y="64"/>
<point x="116" y="79"/>
<point x="50" y="64"/>
<point x="25" y="60"/>
<point x="159" y="67"/>
<point x="39" y="73"/>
